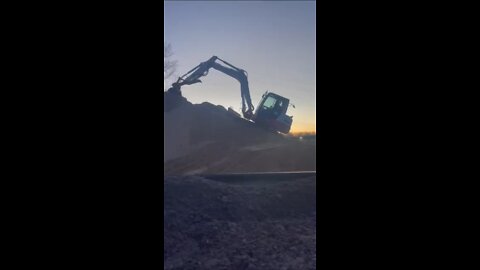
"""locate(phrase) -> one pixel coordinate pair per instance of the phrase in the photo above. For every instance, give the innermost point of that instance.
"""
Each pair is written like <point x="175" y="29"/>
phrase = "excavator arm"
<point x="194" y="75"/>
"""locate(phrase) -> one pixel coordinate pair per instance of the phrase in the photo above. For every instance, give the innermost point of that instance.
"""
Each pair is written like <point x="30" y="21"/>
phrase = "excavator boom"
<point x="194" y="75"/>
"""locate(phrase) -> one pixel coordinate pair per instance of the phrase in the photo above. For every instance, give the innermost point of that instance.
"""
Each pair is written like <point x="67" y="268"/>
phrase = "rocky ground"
<point x="251" y="225"/>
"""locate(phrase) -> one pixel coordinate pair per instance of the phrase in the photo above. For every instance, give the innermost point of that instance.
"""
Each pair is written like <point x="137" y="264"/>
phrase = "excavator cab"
<point x="271" y="112"/>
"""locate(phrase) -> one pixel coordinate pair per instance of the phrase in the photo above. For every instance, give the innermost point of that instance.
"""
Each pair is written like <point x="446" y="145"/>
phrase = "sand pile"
<point x="204" y="138"/>
<point x="213" y="225"/>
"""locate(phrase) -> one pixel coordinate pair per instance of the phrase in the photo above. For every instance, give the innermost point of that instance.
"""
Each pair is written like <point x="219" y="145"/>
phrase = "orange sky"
<point x="305" y="129"/>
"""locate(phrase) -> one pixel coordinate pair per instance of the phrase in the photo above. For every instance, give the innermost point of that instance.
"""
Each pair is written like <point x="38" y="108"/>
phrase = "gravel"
<point x="260" y="225"/>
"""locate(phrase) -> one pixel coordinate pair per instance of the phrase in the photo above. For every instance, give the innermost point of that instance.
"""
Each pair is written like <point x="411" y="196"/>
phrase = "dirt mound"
<point x="213" y="225"/>
<point x="206" y="138"/>
<point x="172" y="101"/>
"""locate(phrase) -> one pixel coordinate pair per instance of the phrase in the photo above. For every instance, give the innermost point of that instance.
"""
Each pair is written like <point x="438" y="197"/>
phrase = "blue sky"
<point x="274" y="41"/>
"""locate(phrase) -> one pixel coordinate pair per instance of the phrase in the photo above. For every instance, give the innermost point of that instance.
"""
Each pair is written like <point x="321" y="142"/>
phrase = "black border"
<point x="89" y="132"/>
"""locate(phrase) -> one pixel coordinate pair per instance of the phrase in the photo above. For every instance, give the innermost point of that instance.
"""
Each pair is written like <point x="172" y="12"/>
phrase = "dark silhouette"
<point x="271" y="112"/>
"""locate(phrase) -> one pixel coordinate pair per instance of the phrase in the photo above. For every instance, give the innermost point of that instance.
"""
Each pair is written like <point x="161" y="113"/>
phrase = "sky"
<point x="274" y="41"/>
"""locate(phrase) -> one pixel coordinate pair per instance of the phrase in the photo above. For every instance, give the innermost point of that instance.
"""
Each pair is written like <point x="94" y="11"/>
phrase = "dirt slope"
<point x="204" y="138"/>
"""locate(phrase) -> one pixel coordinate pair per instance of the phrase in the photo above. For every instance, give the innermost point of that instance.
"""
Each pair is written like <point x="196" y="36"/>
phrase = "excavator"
<point x="272" y="109"/>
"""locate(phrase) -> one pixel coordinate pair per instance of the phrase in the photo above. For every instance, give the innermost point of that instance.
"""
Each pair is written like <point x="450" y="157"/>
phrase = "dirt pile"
<point x="204" y="138"/>
<point x="172" y="101"/>
<point x="213" y="225"/>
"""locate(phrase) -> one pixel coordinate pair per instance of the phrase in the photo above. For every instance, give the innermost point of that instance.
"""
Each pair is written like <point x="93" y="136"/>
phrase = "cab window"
<point x="269" y="103"/>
